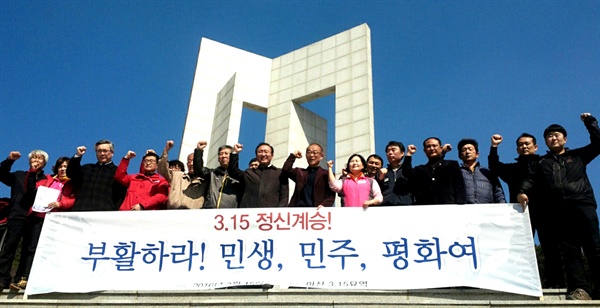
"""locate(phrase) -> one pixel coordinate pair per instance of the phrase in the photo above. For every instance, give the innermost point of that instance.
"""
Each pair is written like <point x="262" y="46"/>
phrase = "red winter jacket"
<point x="151" y="191"/>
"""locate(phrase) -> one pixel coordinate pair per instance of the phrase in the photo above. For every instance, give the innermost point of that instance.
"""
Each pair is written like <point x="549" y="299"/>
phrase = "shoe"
<point x="579" y="294"/>
<point x="22" y="284"/>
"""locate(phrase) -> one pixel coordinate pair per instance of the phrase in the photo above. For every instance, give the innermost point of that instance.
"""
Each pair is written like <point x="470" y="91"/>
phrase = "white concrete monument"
<point x="228" y="79"/>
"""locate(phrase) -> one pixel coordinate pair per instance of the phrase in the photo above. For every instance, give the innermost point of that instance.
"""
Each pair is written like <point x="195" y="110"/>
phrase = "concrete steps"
<point x="452" y="297"/>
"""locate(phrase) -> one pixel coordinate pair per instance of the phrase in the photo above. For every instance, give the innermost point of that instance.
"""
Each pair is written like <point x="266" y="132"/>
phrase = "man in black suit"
<point x="439" y="181"/>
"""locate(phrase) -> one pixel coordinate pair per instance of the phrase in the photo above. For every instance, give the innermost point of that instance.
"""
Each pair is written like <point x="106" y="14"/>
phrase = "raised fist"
<point x="447" y="148"/>
<point x="238" y="147"/>
<point x="81" y="150"/>
<point x="298" y="154"/>
<point x="330" y="164"/>
<point x="14" y="155"/>
<point x="130" y="155"/>
<point x="496" y="140"/>
<point x="585" y="115"/>
<point x="36" y="165"/>
<point x="411" y="149"/>
<point x="382" y="174"/>
<point x="202" y="144"/>
<point x="169" y="145"/>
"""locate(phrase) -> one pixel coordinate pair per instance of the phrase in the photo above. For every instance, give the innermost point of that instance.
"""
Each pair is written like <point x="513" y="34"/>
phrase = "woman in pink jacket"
<point x="355" y="188"/>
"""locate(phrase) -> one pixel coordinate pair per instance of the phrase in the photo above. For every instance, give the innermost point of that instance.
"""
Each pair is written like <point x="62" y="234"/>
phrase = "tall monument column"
<point x="228" y="79"/>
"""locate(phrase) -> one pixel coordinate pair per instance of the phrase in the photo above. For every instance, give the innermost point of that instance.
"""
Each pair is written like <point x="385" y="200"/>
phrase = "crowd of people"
<point x="554" y="186"/>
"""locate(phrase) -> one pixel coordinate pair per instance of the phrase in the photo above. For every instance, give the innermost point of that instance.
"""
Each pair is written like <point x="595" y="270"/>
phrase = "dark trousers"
<point x="31" y="237"/>
<point x="544" y="221"/>
<point x="581" y="231"/>
<point x="14" y="232"/>
<point x="30" y="231"/>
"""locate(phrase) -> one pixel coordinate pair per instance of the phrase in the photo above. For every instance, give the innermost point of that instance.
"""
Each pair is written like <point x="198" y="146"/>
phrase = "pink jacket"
<point x="356" y="190"/>
<point x="66" y="197"/>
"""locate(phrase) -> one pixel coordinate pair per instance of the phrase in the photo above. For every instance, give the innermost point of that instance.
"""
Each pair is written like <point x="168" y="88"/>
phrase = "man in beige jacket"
<point x="187" y="190"/>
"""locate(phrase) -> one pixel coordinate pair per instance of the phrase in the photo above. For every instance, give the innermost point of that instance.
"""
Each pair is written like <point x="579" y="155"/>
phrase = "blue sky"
<point x="73" y="72"/>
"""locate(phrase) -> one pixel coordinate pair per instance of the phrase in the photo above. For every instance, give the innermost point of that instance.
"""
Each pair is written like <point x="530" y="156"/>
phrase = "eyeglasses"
<point x="149" y="161"/>
<point x="313" y="152"/>
<point x="103" y="151"/>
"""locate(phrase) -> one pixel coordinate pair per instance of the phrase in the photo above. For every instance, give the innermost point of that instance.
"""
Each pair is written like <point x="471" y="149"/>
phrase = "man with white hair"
<point x="22" y="194"/>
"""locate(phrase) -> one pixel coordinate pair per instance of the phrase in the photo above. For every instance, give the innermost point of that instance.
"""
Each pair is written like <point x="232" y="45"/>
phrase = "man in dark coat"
<point x="542" y="220"/>
<point x="98" y="190"/>
<point x="265" y="186"/>
<point x="23" y="186"/>
<point x="312" y="183"/>
<point x="561" y="175"/>
<point x="394" y="185"/>
<point x="439" y="181"/>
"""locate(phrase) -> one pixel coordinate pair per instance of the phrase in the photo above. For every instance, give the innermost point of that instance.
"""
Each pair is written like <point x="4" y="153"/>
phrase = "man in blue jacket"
<point x="481" y="185"/>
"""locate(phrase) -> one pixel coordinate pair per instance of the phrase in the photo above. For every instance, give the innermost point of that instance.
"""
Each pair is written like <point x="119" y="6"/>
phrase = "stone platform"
<point x="451" y="297"/>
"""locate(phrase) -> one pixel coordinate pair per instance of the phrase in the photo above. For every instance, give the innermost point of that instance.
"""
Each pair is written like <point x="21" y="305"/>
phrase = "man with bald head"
<point x="188" y="190"/>
<point x="312" y="183"/>
<point x="439" y="181"/>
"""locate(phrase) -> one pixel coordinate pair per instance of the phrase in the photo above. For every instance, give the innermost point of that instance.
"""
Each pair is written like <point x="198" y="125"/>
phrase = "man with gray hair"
<point x="224" y="191"/>
<point x="98" y="190"/>
<point x="22" y="194"/>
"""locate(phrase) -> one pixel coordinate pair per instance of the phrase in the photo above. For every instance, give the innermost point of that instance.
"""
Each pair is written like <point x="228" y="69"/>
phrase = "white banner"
<point x="486" y="246"/>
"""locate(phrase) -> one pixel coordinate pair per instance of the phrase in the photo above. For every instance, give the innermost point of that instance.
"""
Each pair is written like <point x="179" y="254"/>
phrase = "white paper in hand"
<point x="44" y="197"/>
